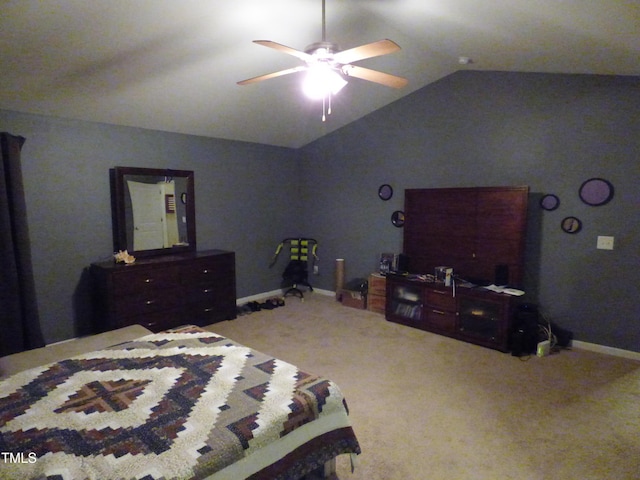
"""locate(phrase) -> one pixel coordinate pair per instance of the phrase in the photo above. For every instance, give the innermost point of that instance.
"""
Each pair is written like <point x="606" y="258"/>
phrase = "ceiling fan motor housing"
<point x="322" y="51"/>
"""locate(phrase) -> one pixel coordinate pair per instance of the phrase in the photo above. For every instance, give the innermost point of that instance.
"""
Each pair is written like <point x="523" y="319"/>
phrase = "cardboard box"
<point x="377" y="284"/>
<point x="353" y="299"/>
<point x="376" y="303"/>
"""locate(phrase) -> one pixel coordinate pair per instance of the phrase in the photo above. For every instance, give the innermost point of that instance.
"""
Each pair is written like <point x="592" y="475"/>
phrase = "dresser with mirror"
<point x="171" y="282"/>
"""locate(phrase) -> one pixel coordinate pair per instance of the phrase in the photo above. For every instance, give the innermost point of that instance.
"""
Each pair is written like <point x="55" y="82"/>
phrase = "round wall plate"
<point x="385" y="192"/>
<point x="596" y="192"/>
<point x="397" y="218"/>
<point x="571" y="225"/>
<point x="550" y="202"/>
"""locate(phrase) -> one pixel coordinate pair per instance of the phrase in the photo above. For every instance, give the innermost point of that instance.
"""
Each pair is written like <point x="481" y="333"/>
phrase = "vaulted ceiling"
<point x="173" y="65"/>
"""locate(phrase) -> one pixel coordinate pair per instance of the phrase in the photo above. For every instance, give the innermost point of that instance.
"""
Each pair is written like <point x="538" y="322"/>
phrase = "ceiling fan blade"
<point x="374" y="76"/>
<point x="272" y="75"/>
<point x="283" y="48"/>
<point x="375" y="49"/>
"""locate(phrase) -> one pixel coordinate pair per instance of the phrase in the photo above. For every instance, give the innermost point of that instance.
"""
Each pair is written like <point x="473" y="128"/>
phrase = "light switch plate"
<point x="605" y="243"/>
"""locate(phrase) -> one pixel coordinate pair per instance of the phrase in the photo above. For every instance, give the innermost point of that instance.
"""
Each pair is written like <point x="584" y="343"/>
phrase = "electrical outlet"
<point x="604" y="243"/>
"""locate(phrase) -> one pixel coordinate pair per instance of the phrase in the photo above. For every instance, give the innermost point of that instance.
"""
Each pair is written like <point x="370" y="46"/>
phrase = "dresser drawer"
<point x="206" y="313"/>
<point x="208" y="293"/>
<point x="208" y="271"/>
<point x="146" y="302"/>
<point x="441" y="299"/>
<point x="440" y="319"/>
<point x="136" y="280"/>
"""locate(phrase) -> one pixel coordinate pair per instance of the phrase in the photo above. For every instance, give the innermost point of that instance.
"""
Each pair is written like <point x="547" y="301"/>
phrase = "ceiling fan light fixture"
<point x="322" y="81"/>
<point x="327" y="66"/>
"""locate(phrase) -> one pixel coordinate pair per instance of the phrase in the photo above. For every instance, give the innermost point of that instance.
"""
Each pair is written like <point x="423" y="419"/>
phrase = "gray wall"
<point x="243" y="203"/>
<point x="550" y="132"/>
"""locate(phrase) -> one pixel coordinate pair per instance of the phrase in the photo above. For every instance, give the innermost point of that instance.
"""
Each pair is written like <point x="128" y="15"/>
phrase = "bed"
<point x="185" y="404"/>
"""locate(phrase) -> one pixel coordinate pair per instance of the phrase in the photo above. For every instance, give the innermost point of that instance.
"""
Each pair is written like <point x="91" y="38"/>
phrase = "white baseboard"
<point x="617" y="352"/>
<point x="327" y="293"/>
<point x="61" y="341"/>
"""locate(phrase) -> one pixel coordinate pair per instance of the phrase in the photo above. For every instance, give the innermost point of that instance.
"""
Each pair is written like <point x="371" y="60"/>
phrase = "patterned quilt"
<point x="181" y="404"/>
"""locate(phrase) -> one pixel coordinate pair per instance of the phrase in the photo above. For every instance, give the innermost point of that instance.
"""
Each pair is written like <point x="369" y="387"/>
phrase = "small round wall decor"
<point x="571" y="225"/>
<point x="596" y="192"/>
<point x="549" y="202"/>
<point x="397" y="218"/>
<point x="385" y="192"/>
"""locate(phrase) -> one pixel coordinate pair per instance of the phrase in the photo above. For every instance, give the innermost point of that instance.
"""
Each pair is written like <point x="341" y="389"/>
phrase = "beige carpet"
<point x="428" y="407"/>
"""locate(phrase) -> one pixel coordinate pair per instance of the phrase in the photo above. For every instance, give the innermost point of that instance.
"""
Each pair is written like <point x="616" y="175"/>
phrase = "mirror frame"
<point x="118" y="212"/>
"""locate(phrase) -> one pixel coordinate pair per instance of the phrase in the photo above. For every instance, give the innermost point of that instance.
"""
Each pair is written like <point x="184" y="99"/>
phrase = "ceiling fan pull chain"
<point x="324" y="117"/>
<point x="326" y="106"/>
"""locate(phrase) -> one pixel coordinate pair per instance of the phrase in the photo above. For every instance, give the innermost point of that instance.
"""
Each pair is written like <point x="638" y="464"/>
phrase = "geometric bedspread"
<point x="185" y="403"/>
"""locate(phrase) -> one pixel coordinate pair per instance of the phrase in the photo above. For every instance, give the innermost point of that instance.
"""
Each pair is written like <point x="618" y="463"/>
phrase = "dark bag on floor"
<point x="524" y="336"/>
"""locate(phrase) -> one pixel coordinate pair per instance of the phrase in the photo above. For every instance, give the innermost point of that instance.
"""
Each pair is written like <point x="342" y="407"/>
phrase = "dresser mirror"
<point x="153" y="210"/>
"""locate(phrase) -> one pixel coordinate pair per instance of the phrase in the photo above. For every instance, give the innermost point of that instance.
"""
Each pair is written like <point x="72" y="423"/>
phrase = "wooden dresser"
<point x="165" y="291"/>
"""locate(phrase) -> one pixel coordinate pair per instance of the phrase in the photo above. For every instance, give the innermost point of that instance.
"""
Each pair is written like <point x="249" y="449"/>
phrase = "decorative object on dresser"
<point x="477" y="232"/>
<point x="165" y="291"/>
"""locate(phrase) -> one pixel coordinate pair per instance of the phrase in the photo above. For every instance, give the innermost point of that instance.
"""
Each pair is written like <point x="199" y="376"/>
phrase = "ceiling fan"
<point x="327" y="67"/>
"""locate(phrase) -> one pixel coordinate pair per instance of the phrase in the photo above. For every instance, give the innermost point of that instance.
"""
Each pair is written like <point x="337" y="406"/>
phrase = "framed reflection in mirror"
<point x="153" y="210"/>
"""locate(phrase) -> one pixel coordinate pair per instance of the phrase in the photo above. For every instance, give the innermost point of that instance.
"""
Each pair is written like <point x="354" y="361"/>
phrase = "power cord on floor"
<point x="546" y="331"/>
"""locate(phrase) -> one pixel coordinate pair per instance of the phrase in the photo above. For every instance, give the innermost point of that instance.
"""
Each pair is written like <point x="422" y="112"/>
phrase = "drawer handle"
<point x="207" y="290"/>
<point x="150" y="302"/>
<point x="205" y="271"/>
<point x="440" y="292"/>
<point x="148" y="280"/>
<point x="439" y="312"/>
<point x="208" y="310"/>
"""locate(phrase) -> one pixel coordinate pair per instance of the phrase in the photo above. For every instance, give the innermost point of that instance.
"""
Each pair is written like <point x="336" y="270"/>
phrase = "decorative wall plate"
<point x="549" y="202"/>
<point x="571" y="225"/>
<point x="397" y="218"/>
<point x="596" y="192"/>
<point x="385" y="192"/>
